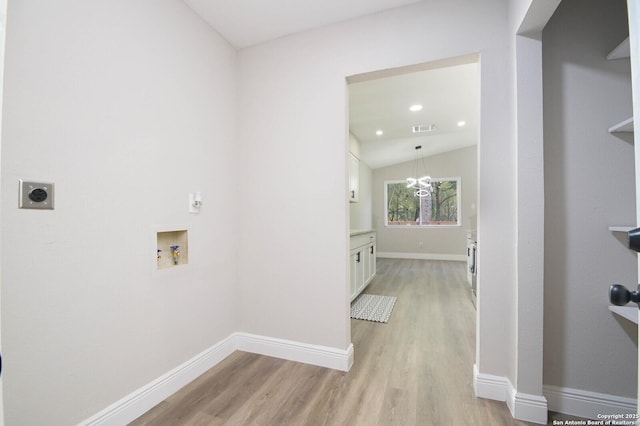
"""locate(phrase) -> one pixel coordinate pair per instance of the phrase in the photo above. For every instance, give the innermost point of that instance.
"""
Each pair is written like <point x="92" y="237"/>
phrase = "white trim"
<point x="142" y="400"/>
<point x="489" y="386"/>
<point x="527" y="407"/>
<point x="587" y="404"/>
<point x="322" y="356"/>
<point x="423" y="256"/>
<point x="533" y="408"/>
<point x="148" y="396"/>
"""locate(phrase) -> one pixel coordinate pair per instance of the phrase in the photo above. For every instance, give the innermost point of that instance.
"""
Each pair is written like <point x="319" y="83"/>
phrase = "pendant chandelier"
<point x="421" y="185"/>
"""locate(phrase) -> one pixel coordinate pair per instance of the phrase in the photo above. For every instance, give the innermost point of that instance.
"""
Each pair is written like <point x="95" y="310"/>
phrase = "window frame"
<point x="457" y="179"/>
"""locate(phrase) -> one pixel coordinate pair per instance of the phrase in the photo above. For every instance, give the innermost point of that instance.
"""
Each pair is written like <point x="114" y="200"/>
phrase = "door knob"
<point x="619" y="295"/>
<point x="633" y="239"/>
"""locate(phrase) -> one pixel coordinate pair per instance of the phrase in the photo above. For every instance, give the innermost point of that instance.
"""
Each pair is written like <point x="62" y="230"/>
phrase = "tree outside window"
<point x="440" y="208"/>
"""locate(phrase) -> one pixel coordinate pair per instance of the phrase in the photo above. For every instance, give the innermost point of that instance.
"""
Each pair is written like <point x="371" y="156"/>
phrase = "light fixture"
<point x="195" y="202"/>
<point x="415" y="108"/>
<point x="421" y="185"/>
<point x="379" y="132"/>
<point x="461" y="123"/>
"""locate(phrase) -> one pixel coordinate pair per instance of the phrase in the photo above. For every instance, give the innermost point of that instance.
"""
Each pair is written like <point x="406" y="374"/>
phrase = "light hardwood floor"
<point x="414" y="370"/>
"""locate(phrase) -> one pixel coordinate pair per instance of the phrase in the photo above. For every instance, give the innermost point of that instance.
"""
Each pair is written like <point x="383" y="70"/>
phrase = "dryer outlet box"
<point x="36" y="195"/>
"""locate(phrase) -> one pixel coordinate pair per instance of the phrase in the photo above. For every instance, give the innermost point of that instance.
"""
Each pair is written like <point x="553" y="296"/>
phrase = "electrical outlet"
<point x="35" y="195"/>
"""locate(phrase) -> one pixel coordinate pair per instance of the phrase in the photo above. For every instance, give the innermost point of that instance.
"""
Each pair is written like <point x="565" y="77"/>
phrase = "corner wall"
<point x="293" y="93"/>
<point x="127" y="107"/>
<point x="589" y="185"/>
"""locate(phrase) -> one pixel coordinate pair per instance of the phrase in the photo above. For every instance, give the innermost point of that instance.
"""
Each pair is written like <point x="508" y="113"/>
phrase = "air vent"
<point x="423" y="128"/>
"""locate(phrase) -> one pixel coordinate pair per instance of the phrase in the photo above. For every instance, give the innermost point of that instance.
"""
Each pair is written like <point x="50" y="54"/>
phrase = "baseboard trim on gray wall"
<point x="533" y="408"/>
<point x="489" y="386"/>
<point x="422" y="256"/>
<point x="143" y="399"/>
<point x="526" y="407"/>
<point x="586" y="404"/>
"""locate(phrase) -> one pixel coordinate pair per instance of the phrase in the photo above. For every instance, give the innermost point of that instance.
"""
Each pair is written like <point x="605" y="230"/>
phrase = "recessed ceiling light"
<point x="379" y="132"/>
<point x="461" y="123"/>
<point x="415" y="108"/>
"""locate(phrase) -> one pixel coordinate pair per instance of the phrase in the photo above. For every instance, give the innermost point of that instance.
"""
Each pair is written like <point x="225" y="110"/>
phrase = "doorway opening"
<point x="434" y="106"/>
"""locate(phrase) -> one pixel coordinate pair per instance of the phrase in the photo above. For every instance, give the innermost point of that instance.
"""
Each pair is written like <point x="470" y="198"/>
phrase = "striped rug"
<point x="372" y="308"/>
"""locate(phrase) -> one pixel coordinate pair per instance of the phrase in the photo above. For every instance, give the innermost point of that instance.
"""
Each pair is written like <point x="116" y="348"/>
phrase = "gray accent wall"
<point x="589" y="185"/>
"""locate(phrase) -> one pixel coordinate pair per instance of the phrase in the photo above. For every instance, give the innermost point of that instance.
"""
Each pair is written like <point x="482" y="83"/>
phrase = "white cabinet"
<point x="357" y="272"/>
<point x="362" y="261"/>
<point x="470" y="257"/>
<point x="354" y="178"/>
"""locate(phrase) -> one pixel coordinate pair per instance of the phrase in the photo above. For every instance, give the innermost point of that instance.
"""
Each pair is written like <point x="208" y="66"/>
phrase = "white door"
<point x="633" y="7"/>
<point x="3" y="21"/>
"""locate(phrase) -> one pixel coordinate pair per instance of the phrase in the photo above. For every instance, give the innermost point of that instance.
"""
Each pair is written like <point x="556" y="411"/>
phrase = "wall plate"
<point x="36" y="195"/>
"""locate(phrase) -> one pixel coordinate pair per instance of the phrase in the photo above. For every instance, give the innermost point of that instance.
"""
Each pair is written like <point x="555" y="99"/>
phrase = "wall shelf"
<point x="625" y="126"/>
<point x="621" y="228"/>
<point x="621" y="51"/>
<point x="627" y="312"/>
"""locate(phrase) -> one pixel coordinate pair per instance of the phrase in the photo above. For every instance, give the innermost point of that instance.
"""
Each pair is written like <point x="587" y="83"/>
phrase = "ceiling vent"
<point x="423" y="128"/>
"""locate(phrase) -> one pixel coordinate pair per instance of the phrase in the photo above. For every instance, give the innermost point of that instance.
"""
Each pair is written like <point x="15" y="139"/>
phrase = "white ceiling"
<point x="448" y="95"/>
<point x="247" y="22"/>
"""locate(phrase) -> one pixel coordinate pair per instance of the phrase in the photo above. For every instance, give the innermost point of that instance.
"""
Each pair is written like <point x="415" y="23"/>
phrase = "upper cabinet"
<point x="354" y="178"/>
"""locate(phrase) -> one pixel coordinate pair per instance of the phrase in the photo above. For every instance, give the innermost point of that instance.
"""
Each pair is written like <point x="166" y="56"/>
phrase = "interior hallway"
<point x="415" y="370"/>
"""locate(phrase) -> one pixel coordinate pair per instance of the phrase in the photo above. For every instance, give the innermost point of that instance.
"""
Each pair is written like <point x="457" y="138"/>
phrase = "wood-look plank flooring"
<point x="414" y="370"/>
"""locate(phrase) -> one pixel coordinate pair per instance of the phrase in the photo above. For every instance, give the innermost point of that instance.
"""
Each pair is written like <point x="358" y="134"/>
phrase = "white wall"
<point x="445" y="241"/>
<point x="526" y="20"/>
<point x="127" y="107"/>
<point x="589" y="181"/>
<point x="128" y="99"/>
<point x="296" y="86"/>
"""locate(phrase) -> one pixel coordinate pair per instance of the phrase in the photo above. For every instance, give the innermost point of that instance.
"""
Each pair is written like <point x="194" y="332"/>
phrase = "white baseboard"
<point x="423" y="256"/>
<point x="322" y="356"/>
<point x="489" y="386"/>
<point x="526" y="407"/>
<point x="533" y="408"/>
<point x="586" y="404"/>
<point x="142" y="400"/>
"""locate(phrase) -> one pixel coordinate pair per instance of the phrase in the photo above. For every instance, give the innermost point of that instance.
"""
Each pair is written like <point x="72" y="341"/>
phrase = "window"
<point x="440" y="208"/>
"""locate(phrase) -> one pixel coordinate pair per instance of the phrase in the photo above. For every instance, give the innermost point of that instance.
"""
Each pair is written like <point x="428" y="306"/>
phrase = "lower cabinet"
<point x="362" y="262"/>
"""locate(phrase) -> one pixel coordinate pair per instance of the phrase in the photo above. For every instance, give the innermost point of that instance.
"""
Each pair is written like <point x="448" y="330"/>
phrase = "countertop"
<point x="360" y="231"/>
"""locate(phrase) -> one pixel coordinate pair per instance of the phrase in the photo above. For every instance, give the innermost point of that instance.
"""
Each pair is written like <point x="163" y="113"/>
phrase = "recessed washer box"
<point x="172" y="248"/>
<point x="36" y="195"/>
